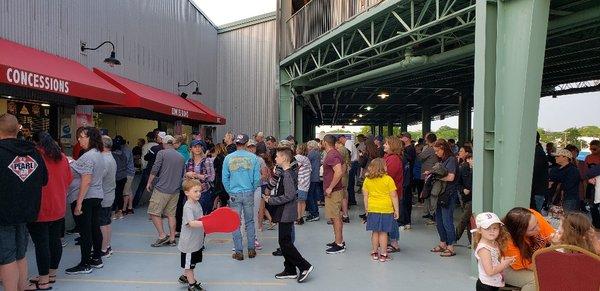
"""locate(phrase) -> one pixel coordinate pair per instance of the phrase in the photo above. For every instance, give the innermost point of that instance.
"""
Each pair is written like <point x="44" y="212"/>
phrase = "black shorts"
<point x="13" y="243"/>
<point x="189" y="261"/>
<point x="105" y="216"/>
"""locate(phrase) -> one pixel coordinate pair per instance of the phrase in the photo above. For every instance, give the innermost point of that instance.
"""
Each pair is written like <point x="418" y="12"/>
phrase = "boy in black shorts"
<point x="191" y="238"/>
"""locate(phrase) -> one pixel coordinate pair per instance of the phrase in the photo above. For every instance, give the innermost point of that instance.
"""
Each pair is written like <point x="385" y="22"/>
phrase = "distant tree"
<point x="447" y="132"/>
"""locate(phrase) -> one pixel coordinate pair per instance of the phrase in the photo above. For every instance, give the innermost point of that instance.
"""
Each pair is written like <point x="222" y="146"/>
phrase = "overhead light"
<point x="9" y="97"/>
<point x="360" y="115"/>
<point x="354" y="120"/>
<point x="383" y="95"/>
<point x="111" y="60"/>
<point x="45" y="105"/>
<point x="350" y="123"/>
<point x="369" y="108"/>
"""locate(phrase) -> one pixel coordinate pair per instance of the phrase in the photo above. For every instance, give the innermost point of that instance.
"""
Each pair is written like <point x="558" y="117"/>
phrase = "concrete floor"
<point x="137" y="266"/>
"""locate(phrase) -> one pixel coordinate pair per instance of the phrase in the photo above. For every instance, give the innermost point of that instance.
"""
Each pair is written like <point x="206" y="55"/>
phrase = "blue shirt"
<point x="241" y="172"/>
<point x="184" y="150"/>
<point x="315" y="163"/>
<point x="569" y="177"/>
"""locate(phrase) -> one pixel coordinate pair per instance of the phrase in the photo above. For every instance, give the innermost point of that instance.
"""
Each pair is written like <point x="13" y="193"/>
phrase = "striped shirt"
<point x="303" y="173"/>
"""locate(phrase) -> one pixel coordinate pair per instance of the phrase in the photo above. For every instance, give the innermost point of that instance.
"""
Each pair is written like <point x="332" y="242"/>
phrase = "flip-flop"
<point x="447" y="253"/>
<point x="37" y="279"/>
<point x="37" y="286"/>
<point x="392" y="249"/>
<point x="438" y="249"/>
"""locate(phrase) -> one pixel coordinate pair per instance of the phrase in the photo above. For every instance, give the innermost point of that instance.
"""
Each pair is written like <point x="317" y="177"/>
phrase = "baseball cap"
<point x="379" y="138"/>
<point x="162" y="135"/>
<point x="286" y="144"/>
<point x="198" y="142"/>
<point x="241" y="138"/>
<point x="563" y="152"/>
<point x="168" y="139"/>
<point x="271" y="138"/>
<point x="251" y="143"/>
<point x="486" y="219"/>
<point x="290" y="138"/>
<point x="119" y="140"/>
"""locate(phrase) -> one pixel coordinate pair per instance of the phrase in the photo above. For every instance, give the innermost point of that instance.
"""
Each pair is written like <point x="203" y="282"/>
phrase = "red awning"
<point x="218" y="119"/>
<point x="27" y="67"/>
<point x="144" y="97"/>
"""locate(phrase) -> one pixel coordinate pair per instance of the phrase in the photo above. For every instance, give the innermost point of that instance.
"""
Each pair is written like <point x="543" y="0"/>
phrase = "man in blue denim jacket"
<point x="241" y="176"/>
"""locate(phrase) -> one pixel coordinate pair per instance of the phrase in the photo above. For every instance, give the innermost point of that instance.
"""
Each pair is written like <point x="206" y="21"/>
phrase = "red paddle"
<point x="223" y="219"/>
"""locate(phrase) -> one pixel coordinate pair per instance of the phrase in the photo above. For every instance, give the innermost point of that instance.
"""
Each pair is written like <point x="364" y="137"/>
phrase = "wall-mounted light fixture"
<point x="196" y="91"/>
<point x="111" y="60"/>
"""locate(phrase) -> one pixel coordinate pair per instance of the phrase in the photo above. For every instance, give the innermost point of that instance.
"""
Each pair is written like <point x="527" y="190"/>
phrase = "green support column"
<point x="285" y="107"/>
<point x="404" y="125"/>
<point x="373" y="132"/>
<point x="513" y="35"/>
<point x="426" y="117"/>
<point x="380" y="130"/>
<point x="464" y="112"/>
<point x="390" y="129"/>
<point x="299" y="123"/>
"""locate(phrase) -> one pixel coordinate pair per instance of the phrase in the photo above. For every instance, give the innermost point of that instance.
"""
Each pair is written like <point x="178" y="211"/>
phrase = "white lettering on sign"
<point x="38" y="81"/>
<point x="179" y="112"/>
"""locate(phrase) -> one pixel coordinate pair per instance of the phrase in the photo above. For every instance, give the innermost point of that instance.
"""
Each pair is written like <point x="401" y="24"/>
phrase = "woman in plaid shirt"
<point x="201" y="167"/>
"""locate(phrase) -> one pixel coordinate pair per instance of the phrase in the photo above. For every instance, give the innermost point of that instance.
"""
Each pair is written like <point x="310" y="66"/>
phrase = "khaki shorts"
<point x="162" y="203"/>
<point x="333" y="204"/>
<point x="345" y="185"/>
<point x="127" y="189"/>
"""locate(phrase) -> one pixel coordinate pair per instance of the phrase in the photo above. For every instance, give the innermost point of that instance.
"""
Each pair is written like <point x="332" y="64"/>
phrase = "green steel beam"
<point x="299" y="123"/>
<point x="285" y="106"/>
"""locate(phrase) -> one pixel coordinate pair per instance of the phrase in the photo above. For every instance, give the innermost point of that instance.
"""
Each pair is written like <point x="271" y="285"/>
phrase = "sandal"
<point x="36" y="286"/>
<point x="375" y="256"/>
<point x="384" y="257"/>
<point x="392" y="249"/>
<point x="447" y="253"/>
<point x="438" y="249"/>
<point x="37" y="279"/>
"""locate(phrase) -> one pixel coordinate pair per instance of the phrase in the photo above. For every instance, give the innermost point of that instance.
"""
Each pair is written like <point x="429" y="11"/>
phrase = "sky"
<point x="555" y="114"/>
<point x="226" y="11"/>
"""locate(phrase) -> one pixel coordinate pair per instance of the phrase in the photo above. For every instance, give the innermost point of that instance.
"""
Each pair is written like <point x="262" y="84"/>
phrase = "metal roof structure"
<point x="421" y="53"/>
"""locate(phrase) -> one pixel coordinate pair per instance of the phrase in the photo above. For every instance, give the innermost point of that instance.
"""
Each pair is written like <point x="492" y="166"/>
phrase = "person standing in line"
<point x="261" y="147"/>
<point x="22" y="175"/>
<point x="341" y="148"/>
<point x="428" y="159"/>
<point x="127" y="207"/>
<point x="332" y="187"/>
<point x="151" y="137"/>
<point x="241" y="177"/>
<point x="539" y="184"/>
<point x="567" y="174"/>
<point x="465" y="188"/>
<point x="109" y="183"/>
<point x="304" y="173"/>
<point x="120" y="156"/>
<point x="219" y="156"/>
<point x="169" y="169"/>
<point x="394" y="167"/>
<point x="316" y="185"/>
<point x="284" y="198"/>
<point x="85" y="196"/>
<point x="229" y="143"/>
<point x="47" y="230"/>
<point x="354" y="171"/>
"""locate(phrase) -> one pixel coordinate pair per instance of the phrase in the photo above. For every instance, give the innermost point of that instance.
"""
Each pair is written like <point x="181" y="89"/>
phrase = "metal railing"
<point x="318" y="17"/>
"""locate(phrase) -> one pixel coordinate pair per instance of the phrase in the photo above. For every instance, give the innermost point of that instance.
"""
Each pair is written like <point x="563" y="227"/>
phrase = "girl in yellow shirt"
<point x="381" y="203"/>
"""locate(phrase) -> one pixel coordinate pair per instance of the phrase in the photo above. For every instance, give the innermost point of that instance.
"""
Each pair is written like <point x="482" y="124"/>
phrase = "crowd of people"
<point x="282" y="183"/>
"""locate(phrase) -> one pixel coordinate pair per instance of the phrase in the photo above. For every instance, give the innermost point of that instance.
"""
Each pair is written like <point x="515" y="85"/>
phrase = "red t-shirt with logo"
<point x="332" y="158"/>
<point x="54" y="194"/>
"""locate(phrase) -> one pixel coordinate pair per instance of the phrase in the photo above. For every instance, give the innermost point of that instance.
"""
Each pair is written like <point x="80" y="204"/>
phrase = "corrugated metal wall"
<point x="247" y="79"/>
<point x="159" y="42"/>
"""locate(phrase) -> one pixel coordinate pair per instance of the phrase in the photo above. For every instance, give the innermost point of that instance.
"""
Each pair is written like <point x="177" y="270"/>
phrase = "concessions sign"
<point x="36" y="81"/>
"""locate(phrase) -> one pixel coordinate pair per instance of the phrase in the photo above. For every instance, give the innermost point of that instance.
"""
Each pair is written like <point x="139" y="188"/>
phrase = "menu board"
<point x="32" y="113"/>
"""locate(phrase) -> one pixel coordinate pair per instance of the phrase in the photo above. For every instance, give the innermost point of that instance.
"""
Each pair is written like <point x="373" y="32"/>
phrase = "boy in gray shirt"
<point x="191" y="238"/>
<point x="109" y="183"/>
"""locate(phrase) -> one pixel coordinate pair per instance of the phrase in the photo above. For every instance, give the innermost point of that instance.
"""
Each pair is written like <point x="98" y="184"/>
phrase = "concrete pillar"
<point x="426" y="117"/>
<point x="404" y="124"/>
<point x="299" y="122"/>
<point x="464" y="112"/>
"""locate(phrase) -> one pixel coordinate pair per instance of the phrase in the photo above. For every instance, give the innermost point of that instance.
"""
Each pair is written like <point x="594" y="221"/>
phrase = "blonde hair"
<point x="577" y="231"/>
<point x="501" y="240"/>
<point x="182" y="139"/>
<point x="188" y="184"/>
<point x="301" y="149"/>
<point x="396" y="145"/>
<point x="376" y="169"/>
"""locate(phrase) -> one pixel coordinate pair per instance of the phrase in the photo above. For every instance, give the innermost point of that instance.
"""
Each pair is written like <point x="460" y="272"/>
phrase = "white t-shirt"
<point x="495" y="280"/>
<point x="353" y="150"/>
<point x="145" y="149"/>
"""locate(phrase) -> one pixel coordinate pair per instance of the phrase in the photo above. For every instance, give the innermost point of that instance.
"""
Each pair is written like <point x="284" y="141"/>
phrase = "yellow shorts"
<point x="162" y="203"/>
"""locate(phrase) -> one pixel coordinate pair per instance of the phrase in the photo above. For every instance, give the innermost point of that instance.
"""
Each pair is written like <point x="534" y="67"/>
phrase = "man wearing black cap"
<point x="271" y="143"/>
<point x="241" y="176"/>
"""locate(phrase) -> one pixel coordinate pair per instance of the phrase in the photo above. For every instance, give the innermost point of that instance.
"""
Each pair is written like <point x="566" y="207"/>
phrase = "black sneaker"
<point x="346" y="219"/>
<point x="79" y="269"/>
<point x="195" y="287"/>
<point x="336" y="249"/>
<point x="311" y="218"/>
<point x="107" y="253"/>
<point x="278" y="253"/>
<point x="331" y="244"/>
<point x="304" y="274"/>
<point x="285" y="275"/>
<point x="96" y="263"/>
<point x="183" y="279"/>
<point x="429" y="216"/>
<point x="300" y="221"/>
<point x="72" y="231"/>
<point x="363" y="216"/>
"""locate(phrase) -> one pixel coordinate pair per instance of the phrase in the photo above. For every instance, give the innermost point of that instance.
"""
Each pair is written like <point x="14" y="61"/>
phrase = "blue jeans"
<point x="352" y="182"/>
<point x="444" y="219"/>
<point x="311" y="200"/>
<point x="207" y="201"/>
<point x="406" y="206"/>
<point x="571" y="205"/>
<point x="394" y="234"/>
<point x="243" y="203"/>
<point x="539" y="202"/>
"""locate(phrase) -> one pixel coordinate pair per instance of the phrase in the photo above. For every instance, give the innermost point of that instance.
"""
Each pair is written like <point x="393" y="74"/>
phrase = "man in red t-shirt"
<point x="333" y="188"/>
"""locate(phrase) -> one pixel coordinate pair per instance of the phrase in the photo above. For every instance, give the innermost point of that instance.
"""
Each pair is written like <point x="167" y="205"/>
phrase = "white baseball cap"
<point x="486" y="219"/>
<point x="162" y="135"/>
<point x="168" y="139"/>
